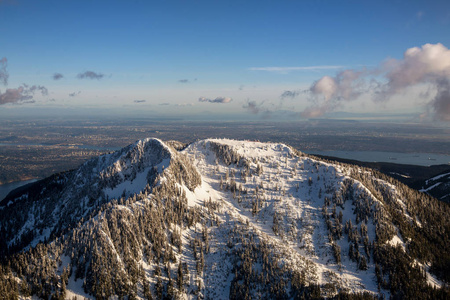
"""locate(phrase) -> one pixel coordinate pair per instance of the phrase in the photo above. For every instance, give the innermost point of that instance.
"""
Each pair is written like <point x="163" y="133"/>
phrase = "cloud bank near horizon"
<point x="23" y="94"/>
<point x="429" y="64"/>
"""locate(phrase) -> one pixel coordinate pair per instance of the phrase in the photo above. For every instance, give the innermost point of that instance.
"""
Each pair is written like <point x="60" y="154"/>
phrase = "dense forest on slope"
<point x="223" y="219"/>
<point x="416" y="177"/>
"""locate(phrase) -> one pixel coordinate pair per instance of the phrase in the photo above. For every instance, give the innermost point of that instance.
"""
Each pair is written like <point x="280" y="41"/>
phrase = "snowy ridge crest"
<point x="125" y="164"/>
<point x="80" y="192"/>
<point x="226" y="219"/>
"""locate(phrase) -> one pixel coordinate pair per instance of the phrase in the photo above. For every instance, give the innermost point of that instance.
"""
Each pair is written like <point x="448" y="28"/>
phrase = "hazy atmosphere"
<point x="284" y="60"/>
<point x="224" y="149"/>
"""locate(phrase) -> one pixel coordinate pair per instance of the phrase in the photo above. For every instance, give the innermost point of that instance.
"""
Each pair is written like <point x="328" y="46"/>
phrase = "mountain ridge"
<point x="420" y="178"/>
<point x="241" y="218"/>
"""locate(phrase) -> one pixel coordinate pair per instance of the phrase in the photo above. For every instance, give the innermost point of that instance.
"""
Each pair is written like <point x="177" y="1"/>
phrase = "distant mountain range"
<point x="224" y="219"/>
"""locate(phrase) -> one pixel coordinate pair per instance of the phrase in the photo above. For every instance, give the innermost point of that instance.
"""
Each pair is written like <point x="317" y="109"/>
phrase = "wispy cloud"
<point x="216" y="100"/>
<point x="419" y="15"/>
<point x="3" y="72"/>
<point x="259" y="108"/>
<point x="35" y="88"/>
<point x="252" y="107"/>
<point x="90" y="75"/>
<point x="290" y="94"/>
<point x="290" y="69"/>
<point x="57" y="76"/>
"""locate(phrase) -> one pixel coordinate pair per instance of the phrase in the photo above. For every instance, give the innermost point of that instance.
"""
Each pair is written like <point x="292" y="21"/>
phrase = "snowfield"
<point x="286" y="192"/>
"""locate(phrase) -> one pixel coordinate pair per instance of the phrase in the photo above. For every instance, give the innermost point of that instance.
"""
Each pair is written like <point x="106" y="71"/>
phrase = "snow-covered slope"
<point x="66" y="198"/>
<point x="282" y="195"/>
<point x="221" y="219"/>
<point x="439" y="186"/>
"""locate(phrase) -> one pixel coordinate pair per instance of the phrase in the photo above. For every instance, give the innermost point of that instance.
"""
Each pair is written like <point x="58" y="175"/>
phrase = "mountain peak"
<point x="228" y="219"/>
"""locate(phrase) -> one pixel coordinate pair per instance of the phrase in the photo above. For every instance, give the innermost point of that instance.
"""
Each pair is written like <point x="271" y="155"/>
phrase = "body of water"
<point x="419" y="159"/>
<point x="8" y="187"/>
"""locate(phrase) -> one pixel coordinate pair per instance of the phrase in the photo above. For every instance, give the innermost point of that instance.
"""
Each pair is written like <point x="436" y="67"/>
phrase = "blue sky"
<point x="172" y="53"/>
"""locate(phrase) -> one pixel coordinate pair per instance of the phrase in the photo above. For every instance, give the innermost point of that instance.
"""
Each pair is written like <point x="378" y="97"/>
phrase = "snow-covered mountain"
<point x="222" y="219"/>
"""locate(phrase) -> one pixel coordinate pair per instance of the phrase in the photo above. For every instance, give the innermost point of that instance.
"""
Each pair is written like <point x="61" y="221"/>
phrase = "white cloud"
<point x="429" y="64"/>
<point x="419" y="65"/>
<point x="289" y="69"/>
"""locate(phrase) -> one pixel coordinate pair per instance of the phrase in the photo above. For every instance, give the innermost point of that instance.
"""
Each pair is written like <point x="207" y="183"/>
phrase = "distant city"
<point x="37" y="148"/>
